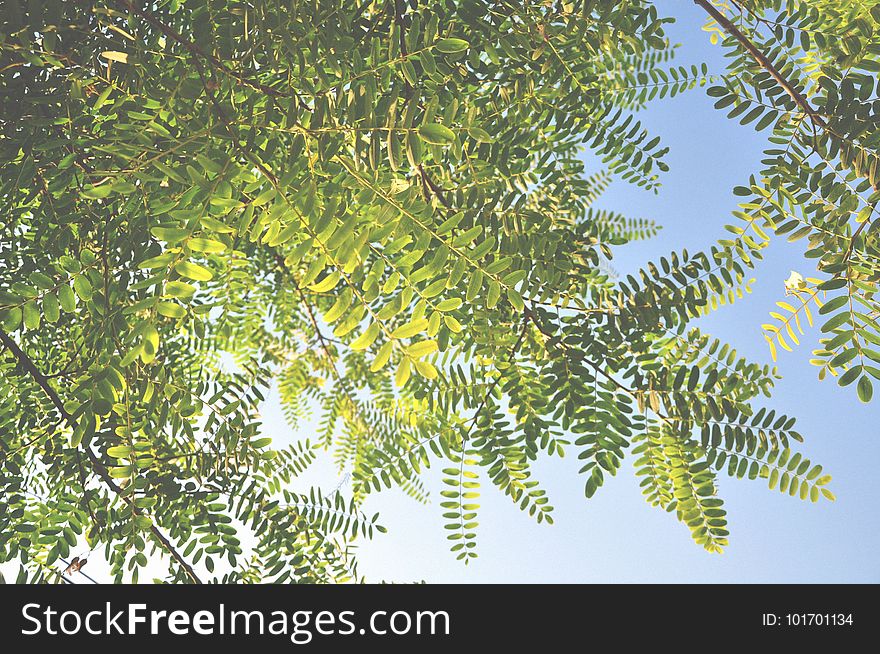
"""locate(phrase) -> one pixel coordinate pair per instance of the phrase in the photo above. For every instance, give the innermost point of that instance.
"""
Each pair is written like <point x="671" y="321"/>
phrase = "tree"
<point x="809" y="71"/>
<point x="380" y="208"/>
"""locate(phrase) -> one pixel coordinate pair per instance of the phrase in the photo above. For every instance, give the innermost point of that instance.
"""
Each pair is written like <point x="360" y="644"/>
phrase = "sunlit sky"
<point x="616" y="536"/>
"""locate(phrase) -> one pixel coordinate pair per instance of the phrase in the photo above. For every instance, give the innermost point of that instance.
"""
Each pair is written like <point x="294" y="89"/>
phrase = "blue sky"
<point x="616" y="536"/>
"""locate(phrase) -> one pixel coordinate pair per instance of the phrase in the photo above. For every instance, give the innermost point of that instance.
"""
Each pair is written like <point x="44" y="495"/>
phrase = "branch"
<point x="495" y="382"/>
<point x="530" y="315"/>
<point x="789" y="88"/>
<point x="216" y="63"/>
<point x="763" y="61"/>
<point x="279" y="260"/>
<point x="429" y="184"/>
<point x="325" y="347"/>
<point x="852" y="240"/>
<point x="100" y="469"/>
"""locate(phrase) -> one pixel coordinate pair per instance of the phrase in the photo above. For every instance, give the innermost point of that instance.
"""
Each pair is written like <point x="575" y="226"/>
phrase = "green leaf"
<point x="339" y="307"/>
<point x="383" y="356"/>
<point x="835" y="322"/>
<point x="122" y="472"/>
<point x="31" y="315"/>
<point x="426" y="369"/>
<point x="169" y="234"/>
<point x="494" y="294"/>
<point x="864" y="389"/>
<point x="131" y="355"/>
<point x="66" y="298"/>
<point x="83" y="287"/>
<point x="849" y="376"/>
<point x="367" y="338"/>
<point x="96" y="192"/>
<point x="119" y="451"/>
<point x="404" y="370"/>
<point x="149" y="344"/>
<point x="515" y="299"/>
<point x="479" y="134"/>
<point x="452" y="324"/>
<point x="51" y="309"/>
<point x="449" y="304"/>
<point x="180" y="289"/>
<point x="160" y="261"/>
<point x="205" y="245"/>
<point x="11" y="318"/>
<point x="436" y="134"/>
<point x="451" y="46"/>
<point x="328" y="283"/>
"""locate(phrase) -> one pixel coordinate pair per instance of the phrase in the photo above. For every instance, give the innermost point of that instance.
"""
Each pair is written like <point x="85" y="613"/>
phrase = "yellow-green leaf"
<point x="451" y="46"/>
<point x="383" y="356"/>
<point x="180" y="289"/>
<point x="426" y="369"/>
<point x="170" y="309"/>
<point x="193" y="271"/>
<point x="327" y="283"/>
<point x="342" y="303"/>
<point x="205" y="245"/>
<point x="422" y="348"/>
<point x="366" y="339"/>
<point x="115" y="55"/>
<point x="404" y="370"/>
<point x="410" y="329"/>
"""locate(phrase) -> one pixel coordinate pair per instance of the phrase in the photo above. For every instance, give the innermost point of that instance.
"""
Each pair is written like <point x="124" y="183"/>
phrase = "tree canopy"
<point x="381" y="208"/>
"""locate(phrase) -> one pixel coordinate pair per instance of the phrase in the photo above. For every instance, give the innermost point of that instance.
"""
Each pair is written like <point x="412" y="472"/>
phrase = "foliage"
<point x="816" y="92"/>
<point x="380" y="210"/>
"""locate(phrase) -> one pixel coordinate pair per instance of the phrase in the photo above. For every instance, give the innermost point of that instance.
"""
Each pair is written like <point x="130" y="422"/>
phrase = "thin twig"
<point x="100" y="469"/>
<point x="195" y="50"/>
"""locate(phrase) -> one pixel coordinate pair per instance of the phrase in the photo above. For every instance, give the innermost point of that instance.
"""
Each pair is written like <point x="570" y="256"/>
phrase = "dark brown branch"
<point x="763" y="61"/>
<point x="429" y="183"/>
<point x="789" y="88"/>
<point x="196" y="51"/>
<point x="27" y="364"/>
